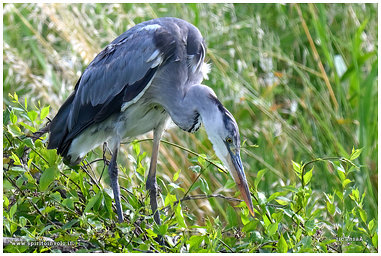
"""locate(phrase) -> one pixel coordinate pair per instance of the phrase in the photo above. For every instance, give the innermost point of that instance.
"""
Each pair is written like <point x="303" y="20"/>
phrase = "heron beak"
<point x="236" y="170"/>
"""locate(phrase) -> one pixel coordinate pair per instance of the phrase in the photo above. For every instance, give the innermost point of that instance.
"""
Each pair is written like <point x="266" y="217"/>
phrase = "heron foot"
<point x="153" y="188"/>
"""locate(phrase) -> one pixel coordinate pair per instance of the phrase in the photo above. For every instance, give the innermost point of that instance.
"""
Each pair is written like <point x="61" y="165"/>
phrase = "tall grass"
<point x="301" y="81"/>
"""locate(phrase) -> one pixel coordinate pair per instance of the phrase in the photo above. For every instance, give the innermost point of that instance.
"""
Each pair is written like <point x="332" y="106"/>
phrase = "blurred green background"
<point x="301" y="81"/>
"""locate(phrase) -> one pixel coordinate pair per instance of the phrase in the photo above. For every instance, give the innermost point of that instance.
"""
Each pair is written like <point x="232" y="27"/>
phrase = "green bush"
<point x="44" y="198"/>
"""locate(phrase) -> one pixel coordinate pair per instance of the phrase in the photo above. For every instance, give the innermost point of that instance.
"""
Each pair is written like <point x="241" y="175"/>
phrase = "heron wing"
<point x="126" y="64"/>
<point x="117" y="75"/>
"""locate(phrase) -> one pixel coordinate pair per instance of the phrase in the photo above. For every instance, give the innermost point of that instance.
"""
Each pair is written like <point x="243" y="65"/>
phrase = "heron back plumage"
<point x="120" y="75"/>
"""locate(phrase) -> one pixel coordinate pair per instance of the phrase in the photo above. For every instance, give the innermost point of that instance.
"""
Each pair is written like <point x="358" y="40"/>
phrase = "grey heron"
<point x="150" y="73"/>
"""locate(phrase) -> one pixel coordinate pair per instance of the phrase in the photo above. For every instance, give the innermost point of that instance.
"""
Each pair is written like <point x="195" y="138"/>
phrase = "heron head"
<point x="223" y="132"/>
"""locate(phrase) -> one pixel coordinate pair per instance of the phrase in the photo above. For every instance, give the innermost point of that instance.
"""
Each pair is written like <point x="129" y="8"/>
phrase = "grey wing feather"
<point x="127" y="60"/>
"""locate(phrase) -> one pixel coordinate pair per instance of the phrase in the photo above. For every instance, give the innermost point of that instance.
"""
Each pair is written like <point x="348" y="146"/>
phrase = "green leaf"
<point x="283" y="200"/>
<point x="204" y="185"/>
<point x="5" y="201"/>
<point x="272" y="229"/>
<point x="232" y="216"/>
<point x="25" y="103"/>
<point x="169" y="200"/>
<point x="68" y="202"/>
<point x="47" y="177"/>
<point x="141" y="157"/>
<point x="49" y="227"/>
<point x="297" y="168"/>
<point x="328" y="241"/>
<point x="180" y="216"/>
<point x="262" y="198"/>
<point x="371" y="226"/>
<point x="251" y="226"/>
<point x="241" y="205"/>
<point x="346" y="182"/>
<point x="140" y="173"/>
<point x="107" y="200"/>
<point x="16" y="159"/>
<point x="13" y="117"/>
<point x="339" y="194"/>
<point x="363" y="215"/>
<point x="28" y="142"/>
<point x="330" y="207"/>
<point x="307" y="176"/>
<point x="163" y="229"/>
<point x="195" y="241"/>
<point x="306" y="241"/>
<point x="290" y="188"/>
<point x="277" y="216"/>
<point x="15" y="130"/>
<point x="195" y="168"/>
<point x="282" y="245"/>
<point x="273" y="196"/>
<point x="244" y="216"/>
<point x="316" y="213"/>
<point x="99" y="202"/>
<point x="201" y="160"/>
<point x="44" y="112"/>
<point x="6" y="116"/>
<point x="92" y="202"/>
<point x="259" y="177"/>
<point x="56" y="196"/>
<point x="309" y="225"/>
<point x="136" y="147"/>
<point x="69" y="224"/>
<point x="341" y="173"/>
<point x="375" y="240"/>
<point x="15" y="97"/>
<point x="48" y="209"/>
<point x="30" y="128"/>
<point x="355" y="195"/>
<point x="14" y="228"/>
<point x="13" y="210"/>
<point x="229" y="184"/>
<point x="194" y="159"/>
<point x="32" y="115"/>
<point x="176" y="175"/>
<point x="150" y="232"/>
<point x="298" y="234"/>
<point x="50" y="155"/>
<point x="355" y="154"/>
<point x="266" y="220"/>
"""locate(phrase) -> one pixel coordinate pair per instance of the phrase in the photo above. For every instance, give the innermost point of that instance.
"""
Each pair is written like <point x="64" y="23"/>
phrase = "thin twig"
<point x="269" y="242"/>
<point x="189" y="189"/>
<point x="91" y="168"/>
<point x="30" y="201"/>
<point x="200" y="196"/>
<point x="91" y="177"/>
<point x="227" y="246"/>
<point x="46" y="161"/>
<point x="267" y="214"/>
<point x="185" y="149"/>
<point x="10" y="142"/>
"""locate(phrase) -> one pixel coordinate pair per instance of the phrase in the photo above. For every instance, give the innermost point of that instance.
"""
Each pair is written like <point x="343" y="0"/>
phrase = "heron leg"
<point x="151" y="184"/>
<point x="113" y="173"/>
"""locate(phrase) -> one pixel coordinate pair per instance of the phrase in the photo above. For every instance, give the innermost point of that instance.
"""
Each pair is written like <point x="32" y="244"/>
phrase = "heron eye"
<point x="229" y="140"/>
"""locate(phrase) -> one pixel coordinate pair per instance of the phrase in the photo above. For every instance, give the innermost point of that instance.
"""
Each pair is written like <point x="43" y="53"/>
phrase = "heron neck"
<point x="196" y="106"/>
